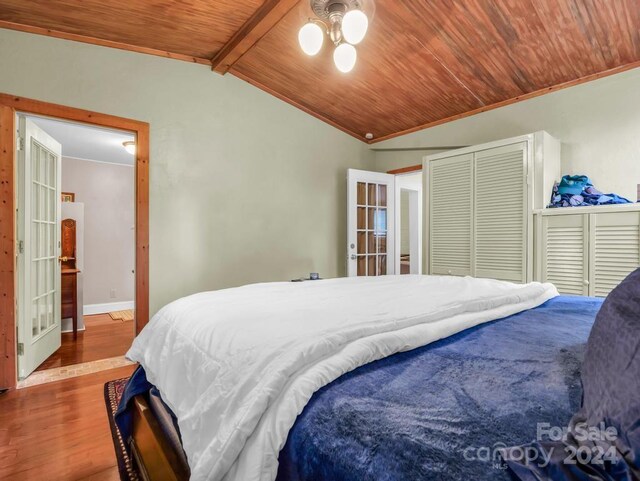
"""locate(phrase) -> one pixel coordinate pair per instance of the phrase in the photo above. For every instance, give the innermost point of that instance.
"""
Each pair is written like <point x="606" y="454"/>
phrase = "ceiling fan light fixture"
<point x="344" y="23"/>
<point x="345" y="56"/>
<point x="311" y="38"/>
<point x="354" y="26"/>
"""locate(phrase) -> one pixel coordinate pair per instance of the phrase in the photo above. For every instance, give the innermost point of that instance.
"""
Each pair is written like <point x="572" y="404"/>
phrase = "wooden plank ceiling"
<point x="423" y="62"/>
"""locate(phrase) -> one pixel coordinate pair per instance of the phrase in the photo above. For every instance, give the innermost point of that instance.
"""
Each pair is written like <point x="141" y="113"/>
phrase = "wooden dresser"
<point x="69" y="283"/>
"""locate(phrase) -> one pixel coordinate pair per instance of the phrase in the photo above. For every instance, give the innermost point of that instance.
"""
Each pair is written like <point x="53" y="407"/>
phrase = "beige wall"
<point x="244" y="188"/>
<point x="109" y="255"/>
<point x="385" y="161"/>
<point x="598" y="123"/>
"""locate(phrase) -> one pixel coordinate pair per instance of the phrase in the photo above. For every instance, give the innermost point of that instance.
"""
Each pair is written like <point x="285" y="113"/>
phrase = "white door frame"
<point x="415" y="221"/>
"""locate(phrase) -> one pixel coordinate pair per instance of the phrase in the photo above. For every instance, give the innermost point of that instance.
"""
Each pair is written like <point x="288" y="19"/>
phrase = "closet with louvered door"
<point x="500" y="200"/>
<point x="615" y="249"/>
<point x="565" y="253"/>
<point x="479" y="206"/>
<point x="450" y="215"/>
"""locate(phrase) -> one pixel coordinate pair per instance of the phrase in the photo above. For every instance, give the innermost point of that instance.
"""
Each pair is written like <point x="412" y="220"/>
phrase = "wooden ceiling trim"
<point x="296" y="104"/>
<point x="101" y="42"/>
<point x="520" y="98"/>
<point x="260" y="23"/>
<point x="406" y="170"/>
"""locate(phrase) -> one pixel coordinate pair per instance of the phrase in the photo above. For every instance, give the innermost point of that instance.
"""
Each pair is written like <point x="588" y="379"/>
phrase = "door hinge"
<point x="20" y="143"/>
<point x="20" y="247"/>
<point x="20" y="349"/>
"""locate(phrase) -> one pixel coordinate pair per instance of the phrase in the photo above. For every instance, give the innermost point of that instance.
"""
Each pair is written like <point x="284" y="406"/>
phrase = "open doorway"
<point x="11" y="242"/>
<point x="76" y="262"/>
<point x="409" y="223"/>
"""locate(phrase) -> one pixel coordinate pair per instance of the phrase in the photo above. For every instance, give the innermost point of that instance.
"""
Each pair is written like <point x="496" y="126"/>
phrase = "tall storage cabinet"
<point x="500" y="220"/>
<point x="480" y="202"/>
<point x="589" y="250"/>
<point x="451" y="201"/>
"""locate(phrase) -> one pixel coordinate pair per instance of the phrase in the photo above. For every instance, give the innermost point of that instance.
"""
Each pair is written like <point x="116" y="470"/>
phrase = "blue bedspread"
<point x="440" y="412"/>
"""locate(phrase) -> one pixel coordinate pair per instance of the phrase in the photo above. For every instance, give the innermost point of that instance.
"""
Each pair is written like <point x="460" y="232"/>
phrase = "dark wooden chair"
<point x="69" y="272"/>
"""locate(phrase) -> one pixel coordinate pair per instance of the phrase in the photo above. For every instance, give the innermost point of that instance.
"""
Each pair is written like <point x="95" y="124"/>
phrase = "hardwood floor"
<point x="58" y="431"/>
<point x="103" y="338"/>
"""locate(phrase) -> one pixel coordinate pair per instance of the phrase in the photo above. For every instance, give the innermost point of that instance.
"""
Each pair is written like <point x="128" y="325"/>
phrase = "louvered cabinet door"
<point x="615" y="249"/>
<point x="450" y="215"/>
<point x="500" y="199"/>
<point x="565" y="252"/>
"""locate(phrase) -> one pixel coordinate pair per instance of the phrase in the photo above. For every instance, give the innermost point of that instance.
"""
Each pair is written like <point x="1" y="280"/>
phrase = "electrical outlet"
<point x="112" y="294"/>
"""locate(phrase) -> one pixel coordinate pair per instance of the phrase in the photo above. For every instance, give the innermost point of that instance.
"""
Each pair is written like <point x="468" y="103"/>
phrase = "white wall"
<point x="406" y="183"/>
<point x="405" y="239"/>
<point x="243" y="187"/>
<point x="598" y="123"/>
<point x="107" y="191"/>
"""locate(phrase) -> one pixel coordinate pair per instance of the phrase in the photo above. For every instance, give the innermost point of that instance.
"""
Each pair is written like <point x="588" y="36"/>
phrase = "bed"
<point x="477" y="380"/>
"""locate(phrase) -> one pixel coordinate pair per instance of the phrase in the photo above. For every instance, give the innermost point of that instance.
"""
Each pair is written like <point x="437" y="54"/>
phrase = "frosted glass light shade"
<point x="354" y="26"/>
<point x="310" y="38"/>
<point x="345" y="56"/>
<point x="130" y="146"/>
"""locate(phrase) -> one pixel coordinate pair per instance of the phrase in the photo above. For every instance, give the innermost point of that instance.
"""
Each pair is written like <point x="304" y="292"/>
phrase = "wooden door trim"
<point x="405" y="170"/>
<point x="9" y="105"/>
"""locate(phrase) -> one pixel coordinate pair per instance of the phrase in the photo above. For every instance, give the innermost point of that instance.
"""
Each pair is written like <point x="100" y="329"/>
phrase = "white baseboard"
<point x="90" y="309"/>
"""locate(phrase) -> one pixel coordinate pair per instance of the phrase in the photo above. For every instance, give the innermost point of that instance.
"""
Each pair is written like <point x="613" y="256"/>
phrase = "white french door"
<point x="370" y="219"/>
<point x="39" y="171"/>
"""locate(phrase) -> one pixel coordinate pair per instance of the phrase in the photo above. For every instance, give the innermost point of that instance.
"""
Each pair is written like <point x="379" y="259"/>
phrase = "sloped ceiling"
<point x="423" y="62"/>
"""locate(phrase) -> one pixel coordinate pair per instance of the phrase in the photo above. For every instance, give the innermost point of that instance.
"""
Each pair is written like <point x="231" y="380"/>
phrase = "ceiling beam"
<point x="263" y="20"/>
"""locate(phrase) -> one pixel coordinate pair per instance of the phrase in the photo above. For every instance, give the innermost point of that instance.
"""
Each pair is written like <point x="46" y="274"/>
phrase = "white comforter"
<point x="237" y="366"/>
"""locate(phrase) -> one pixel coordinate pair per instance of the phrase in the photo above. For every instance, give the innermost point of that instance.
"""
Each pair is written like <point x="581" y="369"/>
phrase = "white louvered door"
<point x="615" y="249"/>
<point x="565" y="253"/>
<point x="451" y="215"/>
<point x="500" y="200"/>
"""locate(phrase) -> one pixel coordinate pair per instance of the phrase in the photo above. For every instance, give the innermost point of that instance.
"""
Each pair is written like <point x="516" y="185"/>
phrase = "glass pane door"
<point x="372" y="229"/>
<point x="39" y="313"/>
<point x="43" y="238"/>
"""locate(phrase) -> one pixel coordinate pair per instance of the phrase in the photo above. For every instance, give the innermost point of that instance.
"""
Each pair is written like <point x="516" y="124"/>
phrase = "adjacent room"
<point x="76" y="183"/>
<point x="320" y="240"/>
<point x="410" y="222"/>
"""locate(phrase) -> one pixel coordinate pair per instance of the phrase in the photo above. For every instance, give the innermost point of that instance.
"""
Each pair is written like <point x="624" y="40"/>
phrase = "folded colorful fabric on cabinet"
<point x="577" y="190"/>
